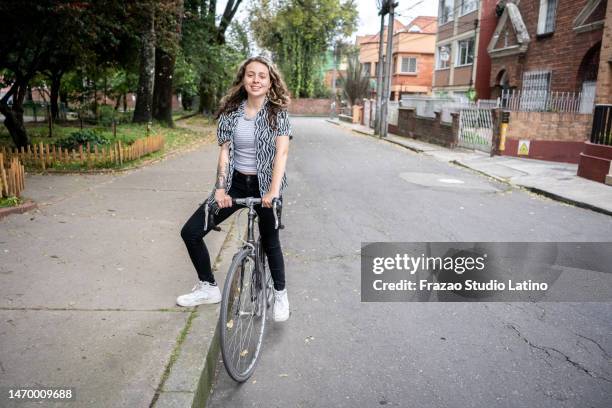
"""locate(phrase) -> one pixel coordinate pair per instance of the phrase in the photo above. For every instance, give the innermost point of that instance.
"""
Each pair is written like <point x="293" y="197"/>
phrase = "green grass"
<point x="10" y="201"/>
<point x="186" y="132"/>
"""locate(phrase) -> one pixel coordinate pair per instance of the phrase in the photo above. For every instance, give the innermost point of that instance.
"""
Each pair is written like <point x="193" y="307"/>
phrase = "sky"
<point x="369" y="20"/>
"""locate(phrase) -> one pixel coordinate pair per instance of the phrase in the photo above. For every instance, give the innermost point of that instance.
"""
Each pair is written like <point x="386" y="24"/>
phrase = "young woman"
<point x="254" y="134"/>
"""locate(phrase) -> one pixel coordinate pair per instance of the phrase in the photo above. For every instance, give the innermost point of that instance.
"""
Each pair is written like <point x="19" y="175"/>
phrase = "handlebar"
<point x="249" y="202"/>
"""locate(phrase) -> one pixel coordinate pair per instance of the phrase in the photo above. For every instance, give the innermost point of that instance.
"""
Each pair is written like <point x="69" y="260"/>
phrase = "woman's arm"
<point x="223" y="200"/>
<point x="278" y="169"/>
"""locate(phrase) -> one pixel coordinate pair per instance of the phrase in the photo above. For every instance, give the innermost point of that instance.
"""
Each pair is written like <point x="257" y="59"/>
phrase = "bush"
<point x="82" y="137"/>
<point x="108" y="113"/>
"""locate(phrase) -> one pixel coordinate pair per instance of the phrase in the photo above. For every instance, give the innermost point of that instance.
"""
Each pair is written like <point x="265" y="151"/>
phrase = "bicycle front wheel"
<point x="243" y="316"/>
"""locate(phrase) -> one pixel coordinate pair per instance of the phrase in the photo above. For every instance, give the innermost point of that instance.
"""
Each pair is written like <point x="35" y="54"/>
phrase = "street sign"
<point x="523" y="148"/>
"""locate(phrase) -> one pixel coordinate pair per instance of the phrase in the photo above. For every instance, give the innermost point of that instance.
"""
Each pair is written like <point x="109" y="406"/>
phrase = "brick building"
<point x="596" y="157"/>
<point x="462" y="61"/>
<point x="413" y="56"/>
<point x="548" y="44"/>
<point x="548" y="50"/>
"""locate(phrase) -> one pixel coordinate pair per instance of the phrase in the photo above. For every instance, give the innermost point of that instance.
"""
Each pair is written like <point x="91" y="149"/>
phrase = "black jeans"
<point x="193" y="232"/>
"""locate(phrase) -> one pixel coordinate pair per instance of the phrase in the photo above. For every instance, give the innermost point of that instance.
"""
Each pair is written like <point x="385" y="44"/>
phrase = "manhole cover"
<point x="442" y="181"/>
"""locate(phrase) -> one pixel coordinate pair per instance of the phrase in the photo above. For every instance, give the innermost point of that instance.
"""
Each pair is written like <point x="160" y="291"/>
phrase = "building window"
<point x="536" y="87"/>
<point x="366" y="68"/>
<point x="409" y="65"/>
<point x="467" y="6"/>
<point x="465" y="52"/>
<point x="443" y="57"/>
<point x="376" y="68"/>
<point x="547" y="16"/>
<point x="394" y="65"/>
<point x="446" y="11"/>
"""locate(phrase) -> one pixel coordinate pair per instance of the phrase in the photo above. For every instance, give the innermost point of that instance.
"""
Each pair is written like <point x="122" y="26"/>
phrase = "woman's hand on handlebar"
<point x="222" y="199"/>
<point x="266" y="200"/>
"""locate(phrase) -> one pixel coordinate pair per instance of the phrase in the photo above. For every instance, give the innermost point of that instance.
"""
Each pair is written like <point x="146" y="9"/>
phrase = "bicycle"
<point x="247" y="294"/>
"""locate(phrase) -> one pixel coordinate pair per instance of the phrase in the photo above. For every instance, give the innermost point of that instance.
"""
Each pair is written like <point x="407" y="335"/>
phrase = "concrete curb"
<point x="565" y="200"/>
<point x="194" y="360"/>
<point x="20" y="209"/>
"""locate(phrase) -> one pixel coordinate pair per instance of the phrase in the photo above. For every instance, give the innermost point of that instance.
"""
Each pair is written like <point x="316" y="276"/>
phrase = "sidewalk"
<point x="552" y="179"/>
<point x="88" y="283"/>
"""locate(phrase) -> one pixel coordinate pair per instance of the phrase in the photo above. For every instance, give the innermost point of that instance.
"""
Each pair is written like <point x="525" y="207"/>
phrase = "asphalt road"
<point x="336" y="351"/>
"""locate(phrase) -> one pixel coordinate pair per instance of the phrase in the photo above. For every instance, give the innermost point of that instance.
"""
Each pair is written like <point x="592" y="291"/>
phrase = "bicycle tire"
<point x="239" y="348"/>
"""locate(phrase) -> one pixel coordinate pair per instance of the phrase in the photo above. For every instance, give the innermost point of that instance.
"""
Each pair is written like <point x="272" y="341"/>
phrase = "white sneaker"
<point x="281" y="305"/>
<point x="202" y="293"/>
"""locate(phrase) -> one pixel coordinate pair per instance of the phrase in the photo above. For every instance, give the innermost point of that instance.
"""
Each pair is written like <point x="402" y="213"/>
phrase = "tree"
<point x="29" y="32"/>
<point x="355" y="83"/>
<point x="298" y="33"/>
<point x="208" y="51"/>
<point x="143" y="111"/>
<point x="53" y="37"/>
<point x="165" y="59"/>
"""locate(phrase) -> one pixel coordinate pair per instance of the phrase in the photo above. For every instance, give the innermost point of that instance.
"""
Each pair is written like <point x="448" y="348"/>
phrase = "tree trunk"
<point x="63" y="97"/>
<point x="164" y="72"/>
<point x="13" y="115"/>
<point x="207" y="98"/>
<point x="162" y="92"/>
<point x="144" y="93"/>
<point x="56" y="81"/>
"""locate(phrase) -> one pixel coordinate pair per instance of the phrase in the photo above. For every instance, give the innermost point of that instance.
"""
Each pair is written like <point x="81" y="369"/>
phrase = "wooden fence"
<point x="44" y="155"/>
<point x="12" y="180"/>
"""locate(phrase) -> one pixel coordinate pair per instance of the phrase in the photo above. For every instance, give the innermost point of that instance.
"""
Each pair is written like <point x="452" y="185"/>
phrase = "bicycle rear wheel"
<point x="243" y="316"/>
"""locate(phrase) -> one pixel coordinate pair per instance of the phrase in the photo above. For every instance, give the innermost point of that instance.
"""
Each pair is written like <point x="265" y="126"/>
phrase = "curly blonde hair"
<point x="278" y="95"/>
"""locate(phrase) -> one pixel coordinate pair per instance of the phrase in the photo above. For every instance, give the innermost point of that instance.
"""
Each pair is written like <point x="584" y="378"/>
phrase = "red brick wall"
<point x="426" y="129"/>
<point x="561" y="52"/>
<point x="604" y="77"/>
<point x="442" y="77"/>
<point x="483" y="62"/>
<point x="568" y="127"/>
<point x="424" y="76"/>
<point x="310" y="107"/>
<point x="554" y="136"/>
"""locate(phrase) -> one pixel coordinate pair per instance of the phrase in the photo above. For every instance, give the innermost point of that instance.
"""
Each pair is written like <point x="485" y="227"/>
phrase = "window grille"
<point x="536" y="89"/>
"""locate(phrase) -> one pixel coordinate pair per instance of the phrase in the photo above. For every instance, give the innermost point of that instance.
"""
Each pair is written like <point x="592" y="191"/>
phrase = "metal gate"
<point x="476" y="129"/>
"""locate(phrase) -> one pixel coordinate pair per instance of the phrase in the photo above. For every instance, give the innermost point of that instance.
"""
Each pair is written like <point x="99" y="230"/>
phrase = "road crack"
<point x="547" y="350"/>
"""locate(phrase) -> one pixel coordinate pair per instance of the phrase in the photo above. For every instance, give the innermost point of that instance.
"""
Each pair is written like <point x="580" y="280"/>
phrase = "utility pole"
<point x="385" y="94"/>
<point x="332" y="111"/>
<point x="379" y="69"/>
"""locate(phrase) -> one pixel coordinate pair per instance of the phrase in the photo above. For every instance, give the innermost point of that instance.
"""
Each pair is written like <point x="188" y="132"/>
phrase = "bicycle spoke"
<point x="244" y="312"/>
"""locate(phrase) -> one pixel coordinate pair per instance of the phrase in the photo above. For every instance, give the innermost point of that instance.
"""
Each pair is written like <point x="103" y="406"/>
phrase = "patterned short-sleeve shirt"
<point x="265" y="143"/>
